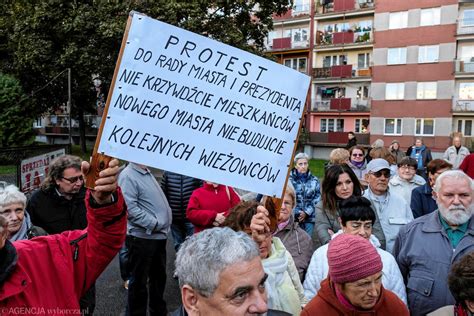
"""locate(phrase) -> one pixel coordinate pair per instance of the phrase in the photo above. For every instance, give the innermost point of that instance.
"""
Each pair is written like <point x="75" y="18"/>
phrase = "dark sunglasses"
<point x="357" y="155"/>
<point x="378" y="174"/>
<point x="74" y="179"/>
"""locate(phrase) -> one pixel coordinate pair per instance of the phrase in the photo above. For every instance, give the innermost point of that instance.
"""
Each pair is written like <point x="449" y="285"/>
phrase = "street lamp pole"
<point x="69" y="105"/>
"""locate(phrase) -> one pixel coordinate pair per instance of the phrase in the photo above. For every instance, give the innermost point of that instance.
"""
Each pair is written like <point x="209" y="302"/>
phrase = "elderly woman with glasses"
<point x="358" y="163"/>
<point x="356" y="217"/>
<point x="354" y="285"/>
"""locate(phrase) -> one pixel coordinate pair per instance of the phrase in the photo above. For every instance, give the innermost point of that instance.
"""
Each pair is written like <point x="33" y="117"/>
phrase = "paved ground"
<point x="112" y="297"/>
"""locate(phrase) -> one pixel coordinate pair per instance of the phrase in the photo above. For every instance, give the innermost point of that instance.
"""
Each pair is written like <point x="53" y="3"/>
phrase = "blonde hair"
<point x="339" y="156"/>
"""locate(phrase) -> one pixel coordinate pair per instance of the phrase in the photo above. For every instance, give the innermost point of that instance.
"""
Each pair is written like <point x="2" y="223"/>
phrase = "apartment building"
<point x="383" y="69"/>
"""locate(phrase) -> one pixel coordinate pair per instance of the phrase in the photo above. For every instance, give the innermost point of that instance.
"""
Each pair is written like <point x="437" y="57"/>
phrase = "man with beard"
<point x="426" y="247"/>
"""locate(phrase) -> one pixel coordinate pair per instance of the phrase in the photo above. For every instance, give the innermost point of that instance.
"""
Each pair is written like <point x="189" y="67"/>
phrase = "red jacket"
<point x="206" y="202"/>
<point x="467" y="165"/>
<point x="53" y="272"/>
<point x="326" y="303"/>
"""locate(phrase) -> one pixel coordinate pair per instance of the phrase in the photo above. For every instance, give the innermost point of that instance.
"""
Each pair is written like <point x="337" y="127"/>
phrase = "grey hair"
<point x="378" y="143"/>
<point x="57" y="167"/>
<point x="456" y="174"/>
<point x="301" y="156"/>
<point x="203" y="256"/>
<point x="11" y="194"/>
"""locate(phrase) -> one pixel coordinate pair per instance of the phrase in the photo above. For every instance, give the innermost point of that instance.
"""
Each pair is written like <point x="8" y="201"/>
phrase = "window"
<point x="466" y="91"/>
<point x="397" y="56"/>
<point x="332" y="125"/>
<point x="393" y="126"/>
<point x="300" y="6"/>
<point x="394" y="91"/>
<point x="468" y="18"/>
<point x="361" y="125"/>
<point x="362" y="92"/>
<point x="398" y="20"/>
<point x="465" y="127"/>
<point x="426" y="90"/>
<point x="334" y="60"/>
<point x="424" y="127"/>
<point x="430" y="16"/>
<point x="363" y="60"/>
<point x="428" y="54"/>
<point x="37" y="123"/>
<point x="270" y="37"/>
<point x="298" y="64"/>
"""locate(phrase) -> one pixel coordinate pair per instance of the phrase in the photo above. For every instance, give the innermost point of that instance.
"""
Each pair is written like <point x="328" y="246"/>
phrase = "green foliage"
<point x="39" y="39"/>
<point x="317" y="167"/>
<point x="15" y="126"/>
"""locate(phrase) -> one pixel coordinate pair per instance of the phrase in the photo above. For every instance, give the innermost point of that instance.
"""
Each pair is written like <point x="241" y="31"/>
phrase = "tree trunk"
<point x="82" y="131"/>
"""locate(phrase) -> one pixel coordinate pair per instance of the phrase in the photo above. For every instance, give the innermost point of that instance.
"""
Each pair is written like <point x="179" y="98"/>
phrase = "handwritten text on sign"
<point x="185" y="103"/>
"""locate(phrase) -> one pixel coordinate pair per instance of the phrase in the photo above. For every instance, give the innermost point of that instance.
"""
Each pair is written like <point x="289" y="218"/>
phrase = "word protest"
<point x="33" y="170"/>
<point x="188" y="104"/>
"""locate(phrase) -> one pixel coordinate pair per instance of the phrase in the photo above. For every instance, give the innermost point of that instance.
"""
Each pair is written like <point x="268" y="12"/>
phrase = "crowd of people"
<point x="384" y="232"/>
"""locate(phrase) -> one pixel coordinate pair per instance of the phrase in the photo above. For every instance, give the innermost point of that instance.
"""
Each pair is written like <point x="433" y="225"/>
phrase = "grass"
<point x="8" y="169"/>
<point x="317" y="167"/>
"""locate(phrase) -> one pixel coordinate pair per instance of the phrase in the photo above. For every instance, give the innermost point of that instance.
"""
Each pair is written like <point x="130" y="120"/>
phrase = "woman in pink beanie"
<point x="354" y="285"/>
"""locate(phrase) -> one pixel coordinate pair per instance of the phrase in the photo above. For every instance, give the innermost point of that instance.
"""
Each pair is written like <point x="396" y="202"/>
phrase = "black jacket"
<point x="56" y="214"/>
<point x="178" y="190"/>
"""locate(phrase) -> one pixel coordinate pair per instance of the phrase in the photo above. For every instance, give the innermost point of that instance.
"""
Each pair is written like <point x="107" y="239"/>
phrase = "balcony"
<point x="462" y="66"/>
<point x="287" y="43"/>
<point x="465" y="27"/>
<point x="324" y="38"/>
<point x="59" y="125"/>
<point x="341" y="105"/>
<point x="336" y="138"/>
<point x="337" y="6"/>
<point x="342" y="71"/>
<point x="463" y="106"/>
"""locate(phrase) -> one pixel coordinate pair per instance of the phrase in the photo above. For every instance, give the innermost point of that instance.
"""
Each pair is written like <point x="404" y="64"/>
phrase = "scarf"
<point x="417" y="153"/>
<point x="282" y="225"/>
<point x="8" y="260"/>
<point x="460" y="311"/>
<point x="22" y="233"/>
<point x="358" y="164"/>
<point x="343" y="300"/>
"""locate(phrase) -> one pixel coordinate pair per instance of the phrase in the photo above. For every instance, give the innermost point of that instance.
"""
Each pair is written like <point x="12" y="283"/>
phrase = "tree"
<point x="15" y="126"/>
<point x="45" y="37"/>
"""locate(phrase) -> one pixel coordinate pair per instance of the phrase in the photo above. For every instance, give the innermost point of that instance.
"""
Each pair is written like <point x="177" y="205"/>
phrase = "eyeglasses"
<point x="74" y="179"/>
<point x="405" y="167"/>
<point x="378" y="174"/>
<point x="357" y="155"/>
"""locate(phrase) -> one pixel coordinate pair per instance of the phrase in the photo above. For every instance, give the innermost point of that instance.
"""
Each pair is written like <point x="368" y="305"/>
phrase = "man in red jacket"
<point x="48" y="275"/>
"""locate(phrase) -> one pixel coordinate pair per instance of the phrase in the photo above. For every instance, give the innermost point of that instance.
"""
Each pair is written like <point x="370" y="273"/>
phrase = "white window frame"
<point x="395" y="129"/>
<point x="422" y="126"/>
<point x="464" y="24"/>
<point x="38" y="123"/>
<point x="399" y="93"/>
<point x="423" y="90"/>
<point x="423" y="54"/>
<point x="400" y="53"/>
<point x="463" y="127"/>
<point x="366" y="57"/>
<point x="326" y="123"/>
<point x="430" y="16"/>
<point x="295" y="63"/>
<point x="398" y="20"/>
<point x="460" y="87"/>
<point x="301" y="6"/>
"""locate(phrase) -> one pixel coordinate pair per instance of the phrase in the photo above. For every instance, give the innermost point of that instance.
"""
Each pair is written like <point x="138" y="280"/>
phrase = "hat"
<point x="377" y="164"/>
<point x="351" y="258"/>
<point x="395" y="142"/>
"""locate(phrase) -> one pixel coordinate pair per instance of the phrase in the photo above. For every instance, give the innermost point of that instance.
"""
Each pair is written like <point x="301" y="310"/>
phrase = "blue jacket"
<point x="308" y="194"/>
<point x="422" y="201"/>
<point x="424" y="254"/>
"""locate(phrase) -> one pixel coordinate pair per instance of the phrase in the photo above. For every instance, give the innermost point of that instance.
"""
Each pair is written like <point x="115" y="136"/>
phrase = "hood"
<point x="418" y="180"/>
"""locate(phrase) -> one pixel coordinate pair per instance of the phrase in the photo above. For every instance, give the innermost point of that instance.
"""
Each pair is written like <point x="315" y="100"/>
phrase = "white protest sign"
<point x="188" y="104"/>
<point x="34" y="169"/>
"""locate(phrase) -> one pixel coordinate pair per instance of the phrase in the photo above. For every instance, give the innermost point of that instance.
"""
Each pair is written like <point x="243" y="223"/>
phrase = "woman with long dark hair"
<point x="339" y="183"/>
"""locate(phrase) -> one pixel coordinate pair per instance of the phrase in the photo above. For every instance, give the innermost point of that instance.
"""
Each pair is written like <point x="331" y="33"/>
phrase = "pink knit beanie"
<point x="351" y="258"/>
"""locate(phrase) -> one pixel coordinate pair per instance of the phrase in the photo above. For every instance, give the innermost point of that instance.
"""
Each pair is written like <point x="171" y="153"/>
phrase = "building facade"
<point x="386" y="69"/>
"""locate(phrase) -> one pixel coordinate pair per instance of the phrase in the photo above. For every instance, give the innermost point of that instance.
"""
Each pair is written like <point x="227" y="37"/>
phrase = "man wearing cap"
<point x="354" y="284"/>
<point x="426" y="248"/>
<point x="391" y="209"/>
